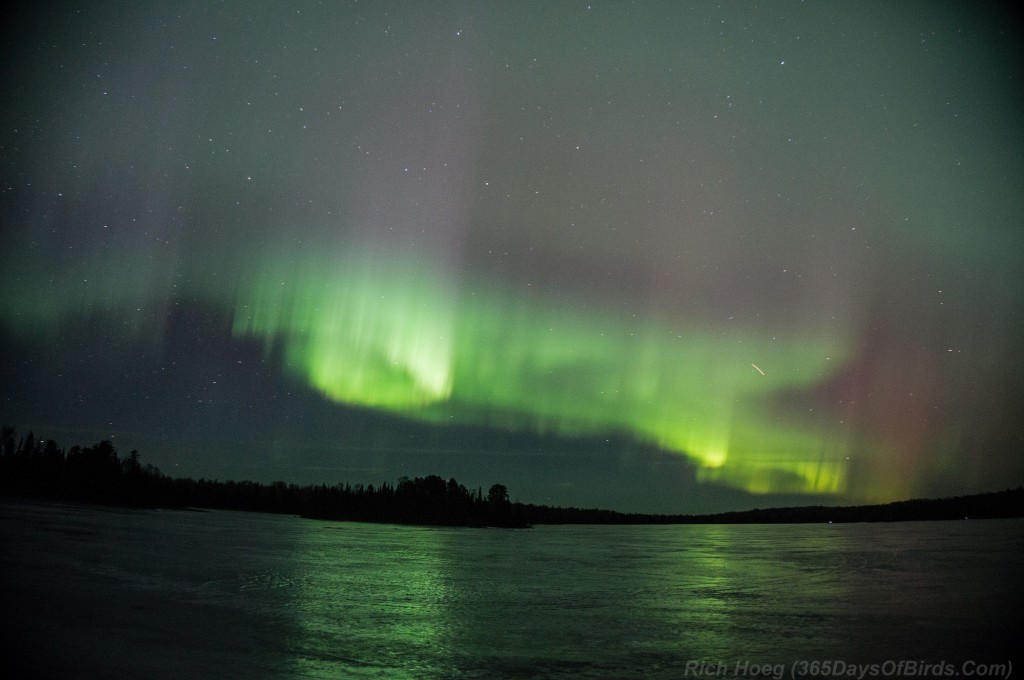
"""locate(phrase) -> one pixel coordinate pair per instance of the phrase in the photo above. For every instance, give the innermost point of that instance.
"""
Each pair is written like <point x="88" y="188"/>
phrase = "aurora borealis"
<point x="658" y="256"/>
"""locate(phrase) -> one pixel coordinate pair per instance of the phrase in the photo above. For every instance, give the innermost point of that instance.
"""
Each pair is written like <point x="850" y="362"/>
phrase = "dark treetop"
<point x="31" y="467"/>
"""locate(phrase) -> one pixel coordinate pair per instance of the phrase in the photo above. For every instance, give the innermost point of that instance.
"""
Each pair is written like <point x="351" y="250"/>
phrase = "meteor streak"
<point x="756" y="368"/>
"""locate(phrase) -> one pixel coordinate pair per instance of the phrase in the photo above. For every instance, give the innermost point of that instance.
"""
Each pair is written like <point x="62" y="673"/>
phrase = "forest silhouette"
<point x="34" y="468"/>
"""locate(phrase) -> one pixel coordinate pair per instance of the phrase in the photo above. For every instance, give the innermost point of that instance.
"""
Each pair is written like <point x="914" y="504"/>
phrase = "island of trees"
<point x="35" y="468"/>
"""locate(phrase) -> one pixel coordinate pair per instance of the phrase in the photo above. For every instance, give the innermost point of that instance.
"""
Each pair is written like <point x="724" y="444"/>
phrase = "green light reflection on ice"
<point x="374" y="599"/>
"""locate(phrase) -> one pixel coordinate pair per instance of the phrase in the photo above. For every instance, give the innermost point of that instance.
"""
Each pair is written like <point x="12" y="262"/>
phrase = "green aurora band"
<point x="396" y="336"/>
<point x="584" y="223"/>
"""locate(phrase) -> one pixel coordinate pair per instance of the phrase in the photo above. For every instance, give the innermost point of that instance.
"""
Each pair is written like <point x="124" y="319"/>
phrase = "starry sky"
<point x="649" y="256"/>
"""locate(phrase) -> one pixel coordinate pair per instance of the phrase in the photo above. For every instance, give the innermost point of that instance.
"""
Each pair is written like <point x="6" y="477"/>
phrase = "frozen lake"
<point x="98" y="593"/>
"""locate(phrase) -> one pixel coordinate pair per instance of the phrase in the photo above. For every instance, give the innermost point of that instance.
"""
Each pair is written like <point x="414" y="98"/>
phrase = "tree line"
<point x="96" y="474"/>
<point x="32" y="467"/>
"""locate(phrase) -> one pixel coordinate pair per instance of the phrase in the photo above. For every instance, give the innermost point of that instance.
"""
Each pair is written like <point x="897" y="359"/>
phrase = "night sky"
<point x="673" y="257"/>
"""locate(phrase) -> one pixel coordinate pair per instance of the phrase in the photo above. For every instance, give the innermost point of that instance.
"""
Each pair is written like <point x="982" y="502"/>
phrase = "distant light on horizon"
<point x="797" y="275"/>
